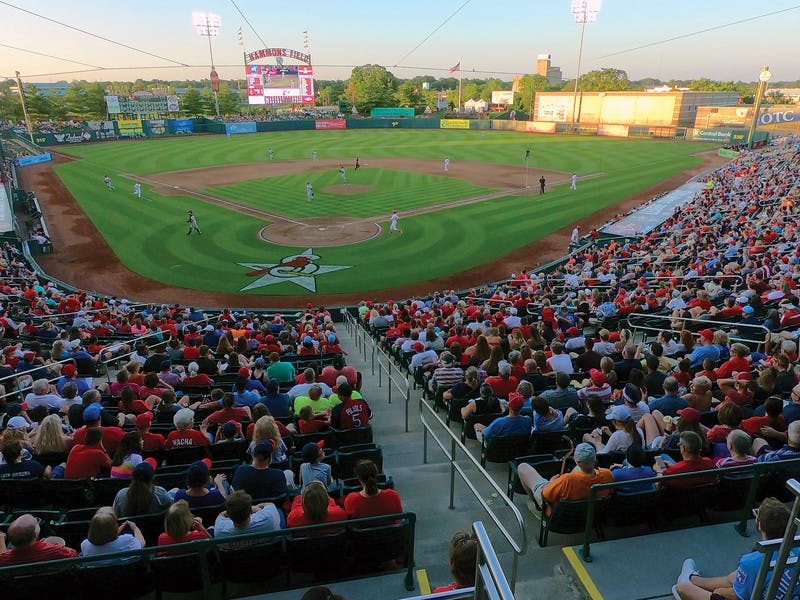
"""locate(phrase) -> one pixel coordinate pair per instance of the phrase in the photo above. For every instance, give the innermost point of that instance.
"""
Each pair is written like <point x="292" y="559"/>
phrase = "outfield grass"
<point x="149" y="235"/>
<point x="393" y="190"/>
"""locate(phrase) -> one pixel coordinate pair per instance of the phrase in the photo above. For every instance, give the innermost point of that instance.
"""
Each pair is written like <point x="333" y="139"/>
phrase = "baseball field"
<point x="262" y="236"/>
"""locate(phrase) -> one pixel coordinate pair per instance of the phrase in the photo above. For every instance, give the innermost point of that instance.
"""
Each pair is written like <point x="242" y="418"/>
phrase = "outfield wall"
<point x="96" y="131"/>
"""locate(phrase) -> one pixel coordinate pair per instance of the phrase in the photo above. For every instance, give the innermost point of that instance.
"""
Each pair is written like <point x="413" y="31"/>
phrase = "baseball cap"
<point x="311" y="450"/>
<point x="142" y="420"/>
<point x="706" y="333"/>
<point x="418" y="346"/>
<point x="689" y="415"/>
<point x="244" y="372"/>
<point x="143" y="472"/>
<point x="597" y="376"/>
<point x="504" y="367"/>
<point x="28" y="356"/>
<point x="307" y="340"/>
<point x="69" y="370"/>
<point x="744" y="376"/>
<point x="573" y="331"/>
<point x="17" y="423"/>
<point x="92" y="412"/>
<point x="619" y="412"/>
<point x="632" y="394"/>
<point x="331" y="338"/>
<point x="748" y="310"/>
<point x="165" y="364"/>
<point x="585" y="452"/>
<point x="263" y="449"/>
<point x="209" y="328"/>
<point x="742" y="299"/>
<point x="198" y="473"/>
<point x="229" y="429"/>
<point x="515" y="401"/>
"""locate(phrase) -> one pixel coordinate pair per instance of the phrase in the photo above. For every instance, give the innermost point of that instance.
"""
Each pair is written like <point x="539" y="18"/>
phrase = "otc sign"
<point x="778" y="116"/>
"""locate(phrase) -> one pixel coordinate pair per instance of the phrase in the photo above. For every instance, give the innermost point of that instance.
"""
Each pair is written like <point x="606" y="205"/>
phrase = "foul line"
<point x="411" y="213"/>
<point x="582" y="573"/>
<point x="216" y="199"/>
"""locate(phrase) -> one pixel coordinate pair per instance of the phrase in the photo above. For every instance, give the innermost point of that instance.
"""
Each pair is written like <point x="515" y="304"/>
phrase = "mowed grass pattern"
<point x="393" y="190"/>
<point x="149" y="235"/>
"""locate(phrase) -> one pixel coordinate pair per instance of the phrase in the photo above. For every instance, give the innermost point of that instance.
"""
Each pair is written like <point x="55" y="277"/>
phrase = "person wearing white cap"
<point x="573" y="485"/>
<point x="512" y="321"/>
<point x="625" y="432"/>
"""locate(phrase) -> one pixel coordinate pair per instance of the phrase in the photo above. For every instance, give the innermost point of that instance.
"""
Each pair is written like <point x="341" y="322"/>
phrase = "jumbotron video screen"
<point x="280" y="84"/>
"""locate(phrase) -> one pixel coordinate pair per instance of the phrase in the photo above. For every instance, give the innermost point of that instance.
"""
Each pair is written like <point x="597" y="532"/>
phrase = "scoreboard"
<point x="280" y="84"/>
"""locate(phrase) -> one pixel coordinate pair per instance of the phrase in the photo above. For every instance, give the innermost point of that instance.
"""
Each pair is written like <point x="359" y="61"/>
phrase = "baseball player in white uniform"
<point x="137" y="189"/>
<point x="343" y="173"/>
<point x="107" y="181"/>
<point x="393" y="227"/>
<point x="446" y="164"/>
<point x="309" y="191"/>
<point x="573" y="182"/>
<point x="192" y="221"/>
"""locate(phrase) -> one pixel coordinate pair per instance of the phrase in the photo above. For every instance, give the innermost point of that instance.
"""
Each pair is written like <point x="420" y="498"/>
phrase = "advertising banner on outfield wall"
<point x="539" y="127"/>
<point x="613" y="130"/>
<point x="157" y="127"/>
<point x="130" y="127"/>
<point x="24" y="161"/>
<point x="330" y="124"/>
<point x="454" y="123"/>
<point x="246" y="127"/>
<point x="182" y="125"/>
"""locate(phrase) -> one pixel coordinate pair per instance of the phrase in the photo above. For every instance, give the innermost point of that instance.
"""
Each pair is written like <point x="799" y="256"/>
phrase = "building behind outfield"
<point x="661" y="109"/>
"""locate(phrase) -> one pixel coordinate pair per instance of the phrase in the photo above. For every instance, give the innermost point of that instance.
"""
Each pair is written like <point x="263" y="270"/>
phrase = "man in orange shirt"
<point x="567" y="486"/>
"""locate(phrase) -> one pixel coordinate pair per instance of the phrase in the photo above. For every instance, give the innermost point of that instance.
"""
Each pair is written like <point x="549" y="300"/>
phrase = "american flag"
<point x="456" y="68"/>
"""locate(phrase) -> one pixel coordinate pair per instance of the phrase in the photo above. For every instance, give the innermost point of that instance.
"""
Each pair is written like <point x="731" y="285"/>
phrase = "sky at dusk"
<point x="493" y="39"/>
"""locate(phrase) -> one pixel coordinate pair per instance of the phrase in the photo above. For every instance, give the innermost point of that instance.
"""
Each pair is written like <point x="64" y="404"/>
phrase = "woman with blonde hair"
<point x="106" y="536"/>
<point x="314" y="506"/>
<point x="493" y="336"/>
<point x="516" y="340"/>
<point x="699" y="396"/>
<point x="181" y="526"/>
<point x="225" y="344"/>
<point x="625" y="336"/>
<point x="50" y="438"/>
<point x="266" y="428"/>
<point x="491" y="364"/>
<point x="607" y="367"/>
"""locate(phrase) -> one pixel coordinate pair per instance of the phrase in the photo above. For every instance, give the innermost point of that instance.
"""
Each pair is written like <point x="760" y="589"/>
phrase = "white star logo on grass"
<point x="299" y="269"/>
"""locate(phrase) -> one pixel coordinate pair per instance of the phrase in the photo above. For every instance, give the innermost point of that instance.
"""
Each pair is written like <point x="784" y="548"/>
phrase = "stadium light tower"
<point x="207" y="24"/>
<point x="584" y="11"/>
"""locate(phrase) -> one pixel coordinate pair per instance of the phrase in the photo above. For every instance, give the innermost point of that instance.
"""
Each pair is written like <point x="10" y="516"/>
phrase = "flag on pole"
<point x="456" y="68"/>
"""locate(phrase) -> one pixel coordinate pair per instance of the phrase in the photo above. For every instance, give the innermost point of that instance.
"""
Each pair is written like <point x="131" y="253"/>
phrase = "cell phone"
<point x="660" y="462"/>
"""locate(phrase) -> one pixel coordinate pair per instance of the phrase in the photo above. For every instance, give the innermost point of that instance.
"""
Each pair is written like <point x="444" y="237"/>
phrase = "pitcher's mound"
<point x="348" y="189"/>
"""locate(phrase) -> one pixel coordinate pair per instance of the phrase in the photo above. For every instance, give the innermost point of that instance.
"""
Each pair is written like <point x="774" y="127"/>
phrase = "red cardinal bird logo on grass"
<point x="300" y="269"/>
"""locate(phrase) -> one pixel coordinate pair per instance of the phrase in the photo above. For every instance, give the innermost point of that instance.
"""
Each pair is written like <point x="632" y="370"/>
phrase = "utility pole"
<point x="24" y="107"/>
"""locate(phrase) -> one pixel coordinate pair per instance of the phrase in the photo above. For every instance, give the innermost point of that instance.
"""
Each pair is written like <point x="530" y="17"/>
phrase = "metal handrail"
<point x="359" y="333"/>
<point x="725" y="324"/>
<point x="90" y="311"/>
<point x="519" y="548"/>
<point x="786" y="544"/>
<point x="757" y="470"/>
<point x="488" y="569"/>
<point x="37" y="368"/>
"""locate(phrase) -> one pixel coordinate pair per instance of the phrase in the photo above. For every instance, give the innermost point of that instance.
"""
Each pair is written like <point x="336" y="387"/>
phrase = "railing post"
<point x="741" y="526"/>
<point x="587" y="532"/>
<point x="452" y="471"/>
<point x="372" y="360"/>
<point x="514" y="564"/>
<point x="380" y="374"/>
<point x="408" y="400"/>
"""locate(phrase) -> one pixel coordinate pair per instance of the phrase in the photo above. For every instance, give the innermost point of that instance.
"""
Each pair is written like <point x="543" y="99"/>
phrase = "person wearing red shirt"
<point x="91" y="419"/>
<point x="350" y="413"/>
<point x="306" y="422"/>
<point x="192" y="350"/>
<point x="773" y="421"/>
<point x="181" y="526"/>
<point x="23" y="534"/>
<point x="129" y="403"/>
<point x="690" y="446"/>
<point x="313" y="507"/>
<point x="89" y="459"/>
<point x="229" y="412"/>
<point x="332" y="371"/>
<point x="150" y="441"/>
<point x="194" y="378"/>
<point x="504" y="383"/>
<point x="371" y="501"/>
<point x="736" y="363"/>
<point x="463" y="557"/>
<point x="184" y="436"/>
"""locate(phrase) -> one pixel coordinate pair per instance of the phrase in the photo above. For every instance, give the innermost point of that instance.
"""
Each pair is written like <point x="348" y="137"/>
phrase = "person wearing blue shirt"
<point x="513" y="424"/>
<point x="632" y="470"/>
<point x="670" y="403"/>
<point x="545" y="417"/>
<point x="771" y="520"/>
<point x="706" y="349"/>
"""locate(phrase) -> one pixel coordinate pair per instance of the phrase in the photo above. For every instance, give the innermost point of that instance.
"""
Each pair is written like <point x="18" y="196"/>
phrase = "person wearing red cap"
<point x="68" y="375"/>
<point x="598" y="386"/>
<point x="151" y="442"/>
<point x="513" y="424"/>
<point x="423" y="359"/>
<point x="705" y="349"/>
